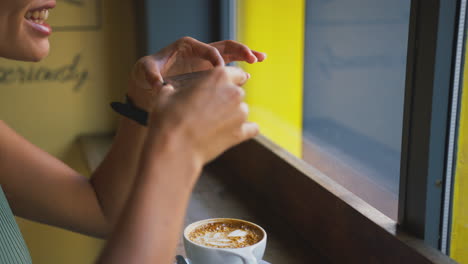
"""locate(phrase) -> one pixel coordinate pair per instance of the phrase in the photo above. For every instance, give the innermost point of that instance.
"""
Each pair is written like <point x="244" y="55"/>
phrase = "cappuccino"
<point x="226" y="234"/>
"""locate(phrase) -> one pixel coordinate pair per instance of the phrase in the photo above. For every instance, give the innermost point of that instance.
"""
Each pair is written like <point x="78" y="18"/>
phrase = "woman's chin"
<point x="29" y="56"/>
<point x="35" y="54"/>
<point x="39" y="53"/>
<point x="37" y="58"/>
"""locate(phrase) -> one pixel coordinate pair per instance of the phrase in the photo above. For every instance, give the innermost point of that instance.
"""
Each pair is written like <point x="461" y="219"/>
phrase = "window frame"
<point x="431" y="47"/>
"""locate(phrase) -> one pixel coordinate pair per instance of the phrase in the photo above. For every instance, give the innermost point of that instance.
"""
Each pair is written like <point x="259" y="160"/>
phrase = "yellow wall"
<point x="275" y="91"/>
<point x="459" y="243"/>
<point x="52" y="113"/>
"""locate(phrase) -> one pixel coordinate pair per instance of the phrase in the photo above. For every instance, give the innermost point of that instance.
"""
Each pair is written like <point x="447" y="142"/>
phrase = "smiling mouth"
<point x="38" y="16"/>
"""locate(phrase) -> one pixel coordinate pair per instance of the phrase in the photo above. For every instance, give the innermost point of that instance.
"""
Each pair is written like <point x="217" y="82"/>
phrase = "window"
<point x="361" y="90"/>
<point x="354" y="87"/>
<point x="338" y="69"/>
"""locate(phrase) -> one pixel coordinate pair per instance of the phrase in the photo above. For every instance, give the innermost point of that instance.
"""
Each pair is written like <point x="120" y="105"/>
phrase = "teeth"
<point x="37" y="16"/>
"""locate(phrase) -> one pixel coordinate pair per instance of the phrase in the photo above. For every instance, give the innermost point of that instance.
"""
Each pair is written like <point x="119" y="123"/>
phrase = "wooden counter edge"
<point x="292" y="186"/>
<point x="336" y="222"/>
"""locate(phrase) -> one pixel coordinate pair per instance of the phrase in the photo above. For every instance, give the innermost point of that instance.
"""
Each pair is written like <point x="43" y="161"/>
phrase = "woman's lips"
<point x="43" y="28"/>
<point x="36" y="18"/>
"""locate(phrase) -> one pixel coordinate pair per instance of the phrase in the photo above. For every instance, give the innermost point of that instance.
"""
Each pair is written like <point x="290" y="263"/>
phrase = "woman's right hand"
<point x="186" y="55"/>
<point x="188" y="127"/>
<point x="208" y="115"/>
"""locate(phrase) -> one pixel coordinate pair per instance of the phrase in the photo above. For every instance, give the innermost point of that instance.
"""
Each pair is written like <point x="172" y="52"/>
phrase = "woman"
<point x="138" y="196"/>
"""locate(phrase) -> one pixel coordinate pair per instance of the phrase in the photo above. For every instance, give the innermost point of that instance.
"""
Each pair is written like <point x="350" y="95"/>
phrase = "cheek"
<point x="17" y="40"/>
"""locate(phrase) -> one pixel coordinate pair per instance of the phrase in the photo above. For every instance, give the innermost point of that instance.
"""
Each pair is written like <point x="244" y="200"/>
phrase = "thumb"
<point x="153" y="78"/>
<point x="146" y="75"/>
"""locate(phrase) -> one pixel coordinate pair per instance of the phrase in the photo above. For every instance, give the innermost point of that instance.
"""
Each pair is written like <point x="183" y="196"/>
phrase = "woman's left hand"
<point x="184" y="56"/>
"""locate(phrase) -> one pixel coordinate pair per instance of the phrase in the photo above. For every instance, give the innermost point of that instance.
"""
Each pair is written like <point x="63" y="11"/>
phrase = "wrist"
<point x="131" y="111"/>
<point x="132" y="128"/>
<point x="171" y="148"/>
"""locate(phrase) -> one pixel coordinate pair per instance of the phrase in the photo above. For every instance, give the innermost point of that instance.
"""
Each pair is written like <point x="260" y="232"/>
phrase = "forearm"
<point x="150" y="225"/>
<point x="194" y="127"/>
<point x="113" y="179"/>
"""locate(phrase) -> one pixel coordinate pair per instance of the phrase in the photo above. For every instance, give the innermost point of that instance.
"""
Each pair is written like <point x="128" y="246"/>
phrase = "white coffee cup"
<point x="199" y="254"/>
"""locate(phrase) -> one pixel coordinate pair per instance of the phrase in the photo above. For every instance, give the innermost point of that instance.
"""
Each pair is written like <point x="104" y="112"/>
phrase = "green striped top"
<point x="13" y="250"/>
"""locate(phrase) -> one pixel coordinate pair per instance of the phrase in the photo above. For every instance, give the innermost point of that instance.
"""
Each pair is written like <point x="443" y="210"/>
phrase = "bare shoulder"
<point x="7" y="134"/>
<point x="5" y="130"/>
<point x="4" y="126"/>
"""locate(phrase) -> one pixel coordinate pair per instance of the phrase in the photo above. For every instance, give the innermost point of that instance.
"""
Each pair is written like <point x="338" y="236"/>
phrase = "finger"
<point x="249" y="130"/>
<point x="240" y="52"/>
<point x="235" y="51"/>
<point x="244" y="108"/>
<point x="236" y="75"/>
<point x="260" y="55"/>
<point x="207" y="52"/>
<point x="152" y="74"/>
<point x="167" y="89"/>
<point x="164" y="94"/>
<point x="154" y="79"/>
<point x="232" y="96"/>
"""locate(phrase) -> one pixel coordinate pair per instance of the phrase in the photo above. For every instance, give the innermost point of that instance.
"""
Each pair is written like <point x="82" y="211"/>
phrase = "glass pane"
<point x="354" y="84"/>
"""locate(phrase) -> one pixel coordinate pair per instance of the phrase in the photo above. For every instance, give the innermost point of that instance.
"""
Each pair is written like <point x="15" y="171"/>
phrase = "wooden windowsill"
<point x="351" y="174"/>
<point x="309" y="217"/>
<point x="333" y="220"/>
<point x="213" y="198"/>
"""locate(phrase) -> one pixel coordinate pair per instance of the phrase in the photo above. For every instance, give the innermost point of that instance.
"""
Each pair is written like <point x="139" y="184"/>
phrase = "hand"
<point x="186" y="55"/>
<point x="206" y="117"/>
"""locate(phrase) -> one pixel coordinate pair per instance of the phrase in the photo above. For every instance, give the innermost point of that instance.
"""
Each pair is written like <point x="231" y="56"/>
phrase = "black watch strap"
<point x="131" y="111"/>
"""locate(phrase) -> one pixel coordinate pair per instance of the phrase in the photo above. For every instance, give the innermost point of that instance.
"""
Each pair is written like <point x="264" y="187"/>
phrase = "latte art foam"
<point x="226" y="235"/>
